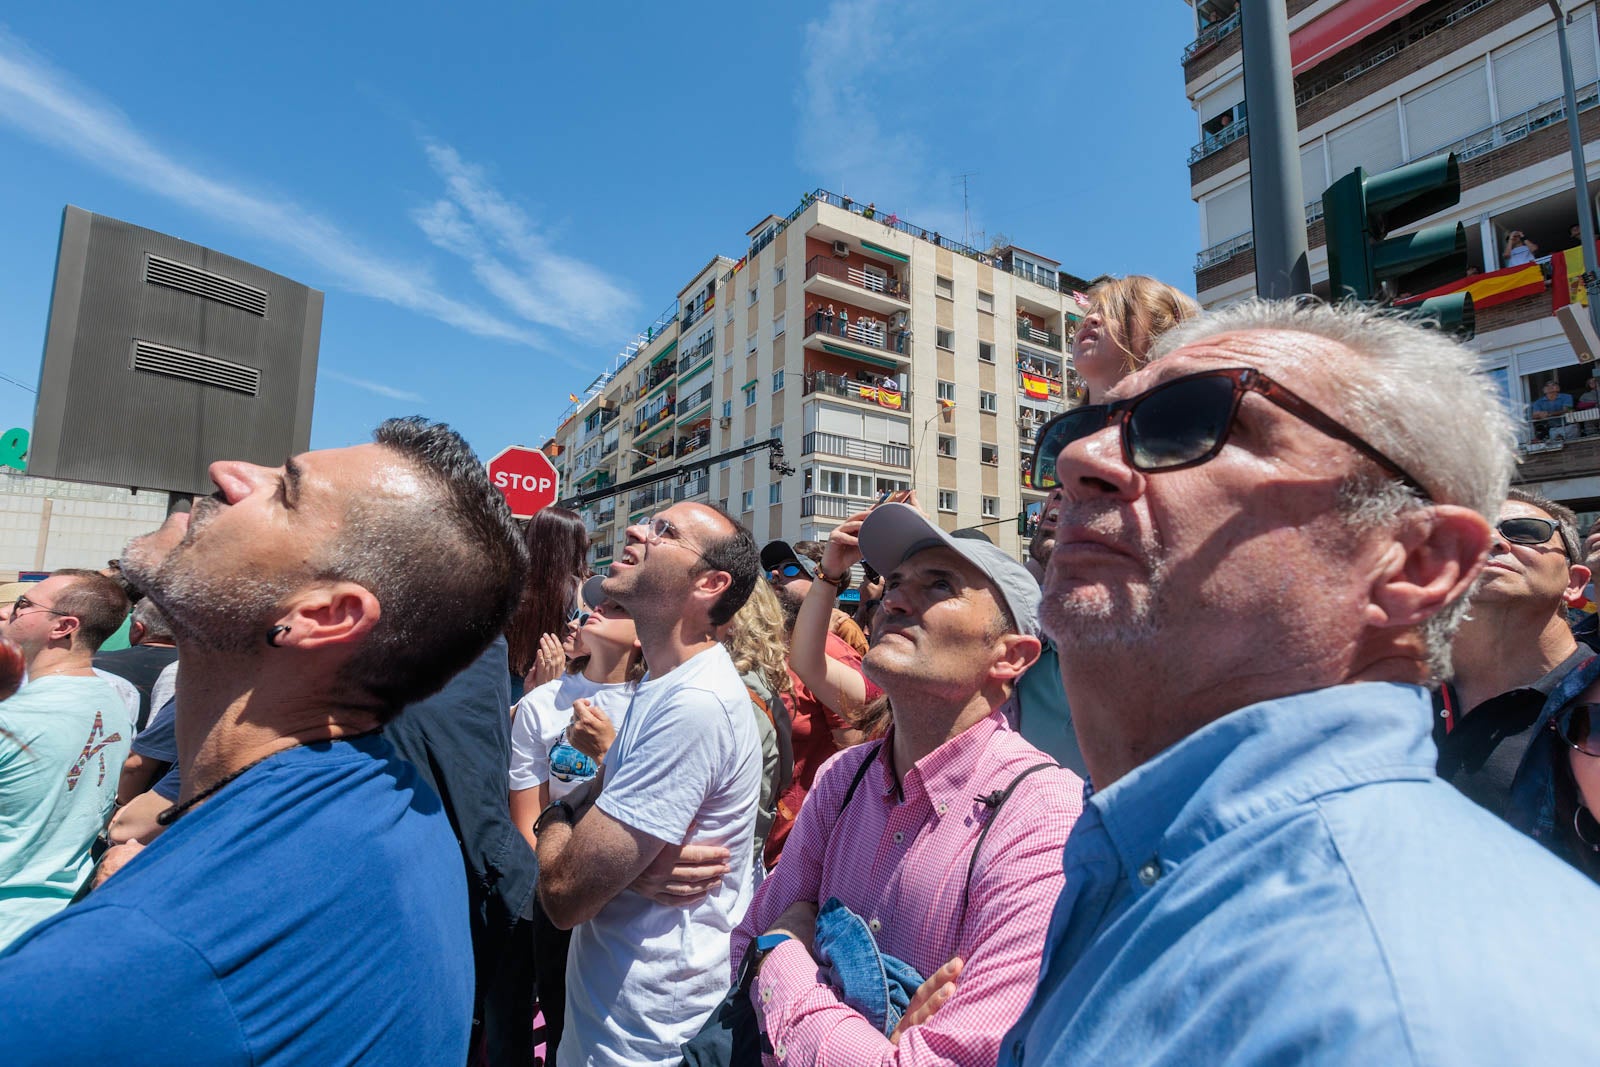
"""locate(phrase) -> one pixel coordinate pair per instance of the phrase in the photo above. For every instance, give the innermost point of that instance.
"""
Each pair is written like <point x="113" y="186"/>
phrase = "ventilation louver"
<point x="159" y="270"/>
<point x="155" y="358"/>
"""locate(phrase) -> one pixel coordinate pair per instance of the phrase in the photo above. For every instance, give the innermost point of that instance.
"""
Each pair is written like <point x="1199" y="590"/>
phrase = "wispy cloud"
<point x="369" y="385"/>
<point x="47" y="105"/>
<point x="855" y="63"/>
<point x="512" y="259"/>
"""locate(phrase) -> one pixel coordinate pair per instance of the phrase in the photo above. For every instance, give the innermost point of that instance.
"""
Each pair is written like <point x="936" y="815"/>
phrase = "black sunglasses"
<point x="1185" y="422"/>
<point x="1576" y="725"/>
<point x="1527" y="530"/>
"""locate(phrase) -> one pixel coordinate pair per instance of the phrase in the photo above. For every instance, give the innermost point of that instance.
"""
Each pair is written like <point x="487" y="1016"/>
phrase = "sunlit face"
<point x="937" y="625"/>
<point x="1526" y="573"/>
<point x="659" y="570"/>
<point x="1097" y="353"/>
<point x="32" y="622"/>
<point x="610" y="625"/>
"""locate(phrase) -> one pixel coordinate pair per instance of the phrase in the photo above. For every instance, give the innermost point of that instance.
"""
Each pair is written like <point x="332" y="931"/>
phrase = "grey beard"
<point x="231" y="618"/>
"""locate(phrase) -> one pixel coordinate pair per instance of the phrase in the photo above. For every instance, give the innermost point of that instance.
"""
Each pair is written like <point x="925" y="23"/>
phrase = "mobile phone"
<point x="884" y="496"/>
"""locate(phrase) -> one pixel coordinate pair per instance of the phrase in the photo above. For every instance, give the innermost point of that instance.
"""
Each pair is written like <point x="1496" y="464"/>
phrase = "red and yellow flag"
<point x="1566" y="285"/>
<point x="1034" y="386"/>
<point x="1496" y="287"/>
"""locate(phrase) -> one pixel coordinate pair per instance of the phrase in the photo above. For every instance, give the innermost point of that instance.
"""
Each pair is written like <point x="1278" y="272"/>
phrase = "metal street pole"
<point x="1277" y="208"/>
<point x="1580" y="172"/>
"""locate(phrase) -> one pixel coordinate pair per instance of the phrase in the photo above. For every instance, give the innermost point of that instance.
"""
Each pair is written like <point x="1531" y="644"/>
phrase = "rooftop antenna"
<point x="966" y="212"/>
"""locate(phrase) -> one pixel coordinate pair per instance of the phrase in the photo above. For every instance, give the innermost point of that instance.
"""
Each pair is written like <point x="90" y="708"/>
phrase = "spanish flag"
<point x="1566" y="285"/>
<point x="1034" y="386"/>
<point x="1496" y="287"/>
<point x="889" y="398"/>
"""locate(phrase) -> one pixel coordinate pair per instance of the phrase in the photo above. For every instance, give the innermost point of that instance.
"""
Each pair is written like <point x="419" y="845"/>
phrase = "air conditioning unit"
<point x="725" y="421"/>
<point x="841" y="249"/>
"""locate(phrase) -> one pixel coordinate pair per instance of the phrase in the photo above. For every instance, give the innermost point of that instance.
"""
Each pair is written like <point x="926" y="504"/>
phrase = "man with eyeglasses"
<point x="643" y="976"/>
<point x="63" y="738"/>
<point x="1517" y="667"/>
<point x="1265" y="545"/>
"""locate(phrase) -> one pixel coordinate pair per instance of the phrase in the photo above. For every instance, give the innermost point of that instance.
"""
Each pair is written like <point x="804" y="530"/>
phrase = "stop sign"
<point x="526" y="477"/>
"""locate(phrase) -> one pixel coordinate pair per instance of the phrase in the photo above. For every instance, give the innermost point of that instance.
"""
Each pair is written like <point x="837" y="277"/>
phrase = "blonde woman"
<point x="1124" y="317"/>
<point x="755" y="639"/>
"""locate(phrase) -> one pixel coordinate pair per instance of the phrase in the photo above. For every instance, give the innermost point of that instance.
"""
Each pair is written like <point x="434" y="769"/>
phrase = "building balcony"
<point x="832" y="444"/>
<point x="650" y="496"/>
<point x="595" y="478"/>
<point x="691" y="489"/>
<point x="832" y="277"/>
<point x="696" y="400"/>
<point x="829" y="506"/>
<point x="1211" y="36"/>
<point x="1559" y="448"/>
<point x="694" y="442"/>
<point x="646" y="424"/>
<point x="1216" y="142"/>
<point x="696" y="357"/>
<point x="695" y="314"/>
<point x="661" y="372"/>
<point x="649" y="457"/>
<point x="1026" y="331"/>
<point x="864" y="340"/>
<point x="829" y="384"/>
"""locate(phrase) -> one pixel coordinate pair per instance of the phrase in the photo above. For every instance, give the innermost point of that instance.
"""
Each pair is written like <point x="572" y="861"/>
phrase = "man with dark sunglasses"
<point x="1517" y="668"/>
<point x="1265" y="543"/>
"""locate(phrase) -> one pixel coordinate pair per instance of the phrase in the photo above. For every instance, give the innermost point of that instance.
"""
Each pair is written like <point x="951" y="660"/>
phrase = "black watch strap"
<point x="557" y="808"/>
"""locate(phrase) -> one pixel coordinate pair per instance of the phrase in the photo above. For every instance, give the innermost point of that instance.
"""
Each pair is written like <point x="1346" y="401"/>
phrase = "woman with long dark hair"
<point x="558" y="546"/>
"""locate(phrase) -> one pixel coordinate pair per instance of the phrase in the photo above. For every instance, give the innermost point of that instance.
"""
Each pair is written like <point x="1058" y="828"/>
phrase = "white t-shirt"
<point x="643" y="978"/>
<point x="164" y="689"/>
<point x="124" y="689"/>
<point x="543" y="716"/>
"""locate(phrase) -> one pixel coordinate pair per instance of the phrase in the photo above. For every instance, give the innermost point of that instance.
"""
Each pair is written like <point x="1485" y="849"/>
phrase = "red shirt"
<point x="811" y="732"/>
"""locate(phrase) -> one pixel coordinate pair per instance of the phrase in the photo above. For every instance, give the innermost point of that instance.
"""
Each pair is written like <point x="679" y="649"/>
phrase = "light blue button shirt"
<point x="1293" y="884"/>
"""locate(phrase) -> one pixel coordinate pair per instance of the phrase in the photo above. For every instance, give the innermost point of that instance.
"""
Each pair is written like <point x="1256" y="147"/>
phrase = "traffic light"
<point x="1360" y="211"/>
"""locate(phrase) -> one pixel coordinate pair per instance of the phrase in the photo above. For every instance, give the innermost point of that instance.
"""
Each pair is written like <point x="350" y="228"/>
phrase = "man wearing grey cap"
<point x="940" y="846"/>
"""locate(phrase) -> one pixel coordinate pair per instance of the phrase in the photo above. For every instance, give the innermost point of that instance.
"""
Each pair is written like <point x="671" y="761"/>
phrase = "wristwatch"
<point x="558" y="808"/>
<point x="765" y="944"/>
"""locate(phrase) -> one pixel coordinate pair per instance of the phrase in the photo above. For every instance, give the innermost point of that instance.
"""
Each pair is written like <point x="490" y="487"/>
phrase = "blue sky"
<point x="497" y="197"/>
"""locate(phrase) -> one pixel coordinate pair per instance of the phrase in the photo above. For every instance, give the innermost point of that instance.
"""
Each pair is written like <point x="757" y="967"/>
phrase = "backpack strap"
<point x="861" y="772"/>
<point x="994" y="802"/>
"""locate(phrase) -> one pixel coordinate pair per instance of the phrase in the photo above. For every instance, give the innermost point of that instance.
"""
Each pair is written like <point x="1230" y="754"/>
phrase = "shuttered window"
<point x="1448" y="110"/>
<point x="1528" y="72"/>
<point x="1313" y="172"/>
<point x="1226" y="98"/>
<point x="1372" y="142"/>
<point x="1228" y="213"/>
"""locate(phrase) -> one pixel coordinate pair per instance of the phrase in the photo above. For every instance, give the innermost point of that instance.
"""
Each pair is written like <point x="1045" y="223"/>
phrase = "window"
<point x="991" y="507"/>
<point x="947" y="500"/>
<point x="986" y="351"/>
<point x="727" y="318"/>
<point x="777" y="380"/>
<point x="777" y="274"/>
<point x="727" y="361"/>
<point x="750" y="394"/>
<point x="751" y="345"/>
<point x="747" y="500"/>
<point x="947" y="391"/>
<point x="985" y="301"/>
<point x="991" y="455"/>
<point x="754" y="295"/>
<point x="775" y="493"/>
<point x="945" y="339"/>
<point x="987" y="402"/>
<point x="945" y="288"/>
<point x="777" y="325"/>
<point x="947" y="445"/>
<point x="727" y="409"/>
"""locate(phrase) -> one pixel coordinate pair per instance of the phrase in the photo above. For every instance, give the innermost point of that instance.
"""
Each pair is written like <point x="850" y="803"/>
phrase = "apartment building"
<point x="881" y="355"/>
<point x="1379" y="83"/>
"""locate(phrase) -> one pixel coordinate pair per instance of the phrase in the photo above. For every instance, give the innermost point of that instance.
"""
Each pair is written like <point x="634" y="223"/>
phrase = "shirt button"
<point x="899" y="837"/>
<point x="766" y="994"/>
<point x="1150" y="873"/>
<point x="943" y="807"/>
<point x="874" y="926"/>
<point x="779" y="1051"/>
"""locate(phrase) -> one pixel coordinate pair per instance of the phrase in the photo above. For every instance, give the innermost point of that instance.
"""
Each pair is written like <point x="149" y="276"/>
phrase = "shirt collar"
<point x="948" y="769"/>
<point x="1261" y="759"/>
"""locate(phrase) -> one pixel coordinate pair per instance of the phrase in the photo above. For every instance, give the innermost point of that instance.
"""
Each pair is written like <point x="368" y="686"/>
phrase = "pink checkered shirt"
<point x="900" y="862"/>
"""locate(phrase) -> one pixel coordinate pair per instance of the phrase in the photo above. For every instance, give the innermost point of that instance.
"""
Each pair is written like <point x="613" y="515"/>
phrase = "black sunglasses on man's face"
<point x="1185" y="421"/>
<point x="1528" y="530"/>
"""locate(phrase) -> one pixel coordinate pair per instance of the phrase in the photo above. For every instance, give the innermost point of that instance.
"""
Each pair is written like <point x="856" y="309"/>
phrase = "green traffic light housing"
<point x="1452" y="314"/>
<point x="1359" y="213"/>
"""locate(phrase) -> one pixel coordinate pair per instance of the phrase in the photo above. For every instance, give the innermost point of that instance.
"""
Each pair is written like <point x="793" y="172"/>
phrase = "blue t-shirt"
<point x="313" y="911"/>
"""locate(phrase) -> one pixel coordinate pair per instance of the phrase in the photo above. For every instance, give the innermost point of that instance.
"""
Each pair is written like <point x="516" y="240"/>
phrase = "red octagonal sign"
<point x="526" y="477"/>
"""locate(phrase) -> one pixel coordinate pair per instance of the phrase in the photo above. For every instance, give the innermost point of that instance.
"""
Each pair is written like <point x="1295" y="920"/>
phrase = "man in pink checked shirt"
<point x="892" y="831"/>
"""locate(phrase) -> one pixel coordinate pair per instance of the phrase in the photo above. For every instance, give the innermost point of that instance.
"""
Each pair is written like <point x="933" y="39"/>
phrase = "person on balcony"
<point x="844" y="322"/>
<point x="827" y="318"/>
<point x="1549" y="411"/>
<point x="1519" y="251"/>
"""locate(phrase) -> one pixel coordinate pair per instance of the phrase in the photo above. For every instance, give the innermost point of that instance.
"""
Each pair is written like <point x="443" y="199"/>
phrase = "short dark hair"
<point x="1566" y="522"/>
<point x="97" y="602"/>
<point x="447" y="566"/>
<point x="736" y="554"/>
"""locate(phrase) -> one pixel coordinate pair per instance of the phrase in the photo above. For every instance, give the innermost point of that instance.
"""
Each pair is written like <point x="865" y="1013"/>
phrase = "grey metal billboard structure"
<point x="162" y="356"/>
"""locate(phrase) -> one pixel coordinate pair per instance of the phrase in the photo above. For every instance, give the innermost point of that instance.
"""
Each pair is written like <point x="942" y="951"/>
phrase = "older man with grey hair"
<point x="1264" y="544"/>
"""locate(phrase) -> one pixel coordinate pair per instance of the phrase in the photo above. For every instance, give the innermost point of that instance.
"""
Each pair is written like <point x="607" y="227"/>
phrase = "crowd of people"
<point x="1275" y="747"/>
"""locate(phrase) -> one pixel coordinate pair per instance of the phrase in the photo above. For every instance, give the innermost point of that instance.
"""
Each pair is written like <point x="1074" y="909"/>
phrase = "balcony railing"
<point x="690" y="489"/>
<point x="867" y="333"/>
<point x="693" y="401"/>
<point x="650" y="495"/>
<point x="610" y="447"/>
<point x="829" y="506"/>
<point x="1215" y="142"/>
<point x="832" y="444"/>
<point x="690" y="360"/>
<point x="1026" y="331"/>
<point x="1210" y="36"/>
<point x="646" y="420"/>
<point x="693" y="442"/>
<point x="838" y="385"/>
<point x="650" y="455"/>
<point x="695" y="314"/>
<point x="1037" y="275"/>
<point x="837" y="269"/>
<point x="659" y="373"/>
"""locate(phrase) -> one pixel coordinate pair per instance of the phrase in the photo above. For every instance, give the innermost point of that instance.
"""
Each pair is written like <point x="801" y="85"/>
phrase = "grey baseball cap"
<point x="894" y="532"/>
<point x="593" y="595"/>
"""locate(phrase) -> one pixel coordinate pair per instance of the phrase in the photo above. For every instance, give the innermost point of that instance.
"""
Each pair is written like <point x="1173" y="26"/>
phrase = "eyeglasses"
<point x="1576" y="725"/>
<point x="785" y="572"/>
<point x="659" y="529"/>
<point x="1527" y="530"/>
<point x="577" y="615"/>
<point x="24" y="605"/>
<point x="1185" y="422"/>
